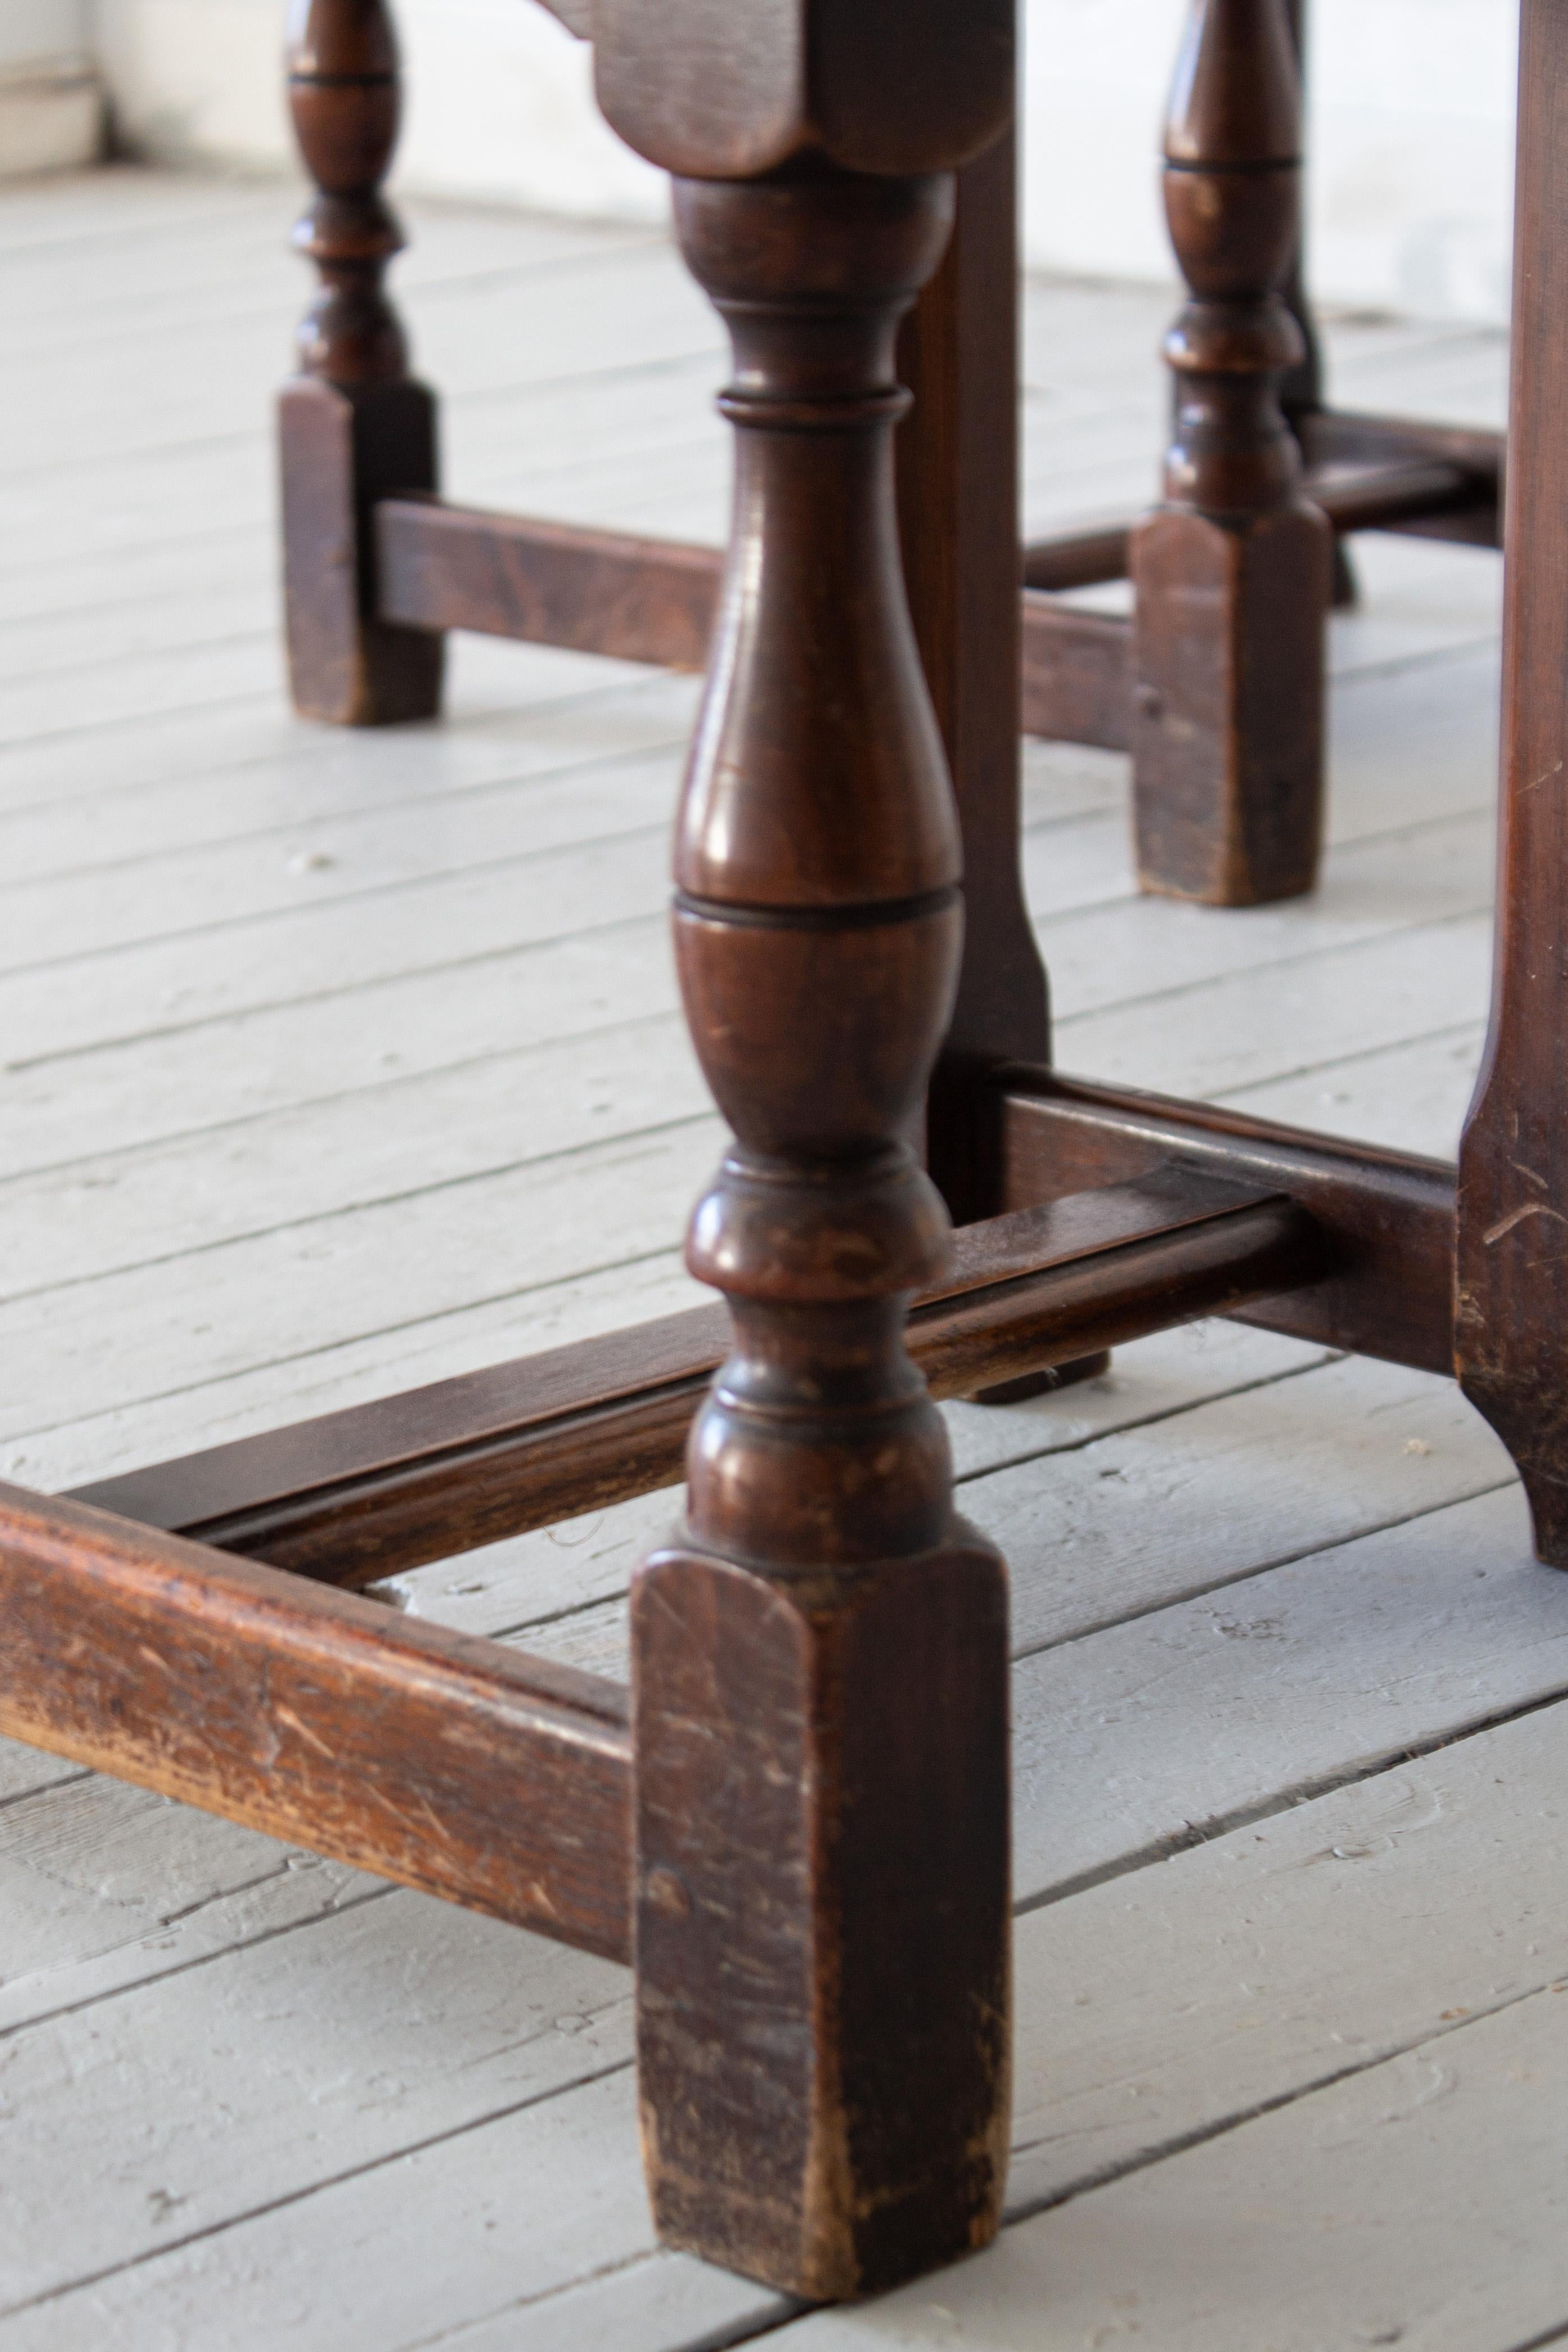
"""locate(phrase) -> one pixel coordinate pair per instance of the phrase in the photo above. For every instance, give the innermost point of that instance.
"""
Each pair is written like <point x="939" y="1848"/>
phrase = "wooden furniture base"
<point x="794" y="1825"/>
<point x="1216" y="683"/>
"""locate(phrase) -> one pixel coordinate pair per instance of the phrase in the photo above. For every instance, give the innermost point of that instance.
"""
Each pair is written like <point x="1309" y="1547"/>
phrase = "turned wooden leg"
<point x="354" y="426"/>
<point x="1232" y="574"/>
<point x="1511" y="1327"/>
<point x="819" y="1663"/>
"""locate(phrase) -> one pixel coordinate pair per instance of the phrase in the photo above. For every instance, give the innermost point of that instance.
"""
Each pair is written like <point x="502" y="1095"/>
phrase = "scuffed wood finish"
<point x="353" y="1496"/>
<point x="821" y="1845"/>
<point x="1513" y="1294"/>
<point x="354" y="426"/>
<point x="1388" y="1218"/>
<point x="598" y="592"/>
<point x="1231" y="576"/>
<point x="497" y="1780"/>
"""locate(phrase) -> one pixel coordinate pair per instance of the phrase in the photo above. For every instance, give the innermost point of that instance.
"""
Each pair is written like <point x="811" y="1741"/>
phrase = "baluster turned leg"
<point x="354" y="426"/>
<point x="820" y="1664"/>
<point x="1511" y="1330"/>
<point x="1232" y="573"/>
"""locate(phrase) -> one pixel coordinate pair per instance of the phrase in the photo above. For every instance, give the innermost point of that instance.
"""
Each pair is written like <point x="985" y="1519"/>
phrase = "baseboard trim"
<point x="51" y="117"/>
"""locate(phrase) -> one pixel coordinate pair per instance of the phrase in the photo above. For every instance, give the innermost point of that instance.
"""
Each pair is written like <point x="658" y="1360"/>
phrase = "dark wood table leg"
<point x="1511" y="1330"/>
<point x="958" y="513"/>
<point x="958" y="470"/>
<point x="1231" y="576"/>
<point x="354" y="426"/>
<point x="819" y="1664"/>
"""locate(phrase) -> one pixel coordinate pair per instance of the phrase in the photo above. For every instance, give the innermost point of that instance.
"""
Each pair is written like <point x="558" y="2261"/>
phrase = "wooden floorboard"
<point x="330" y="1064"/>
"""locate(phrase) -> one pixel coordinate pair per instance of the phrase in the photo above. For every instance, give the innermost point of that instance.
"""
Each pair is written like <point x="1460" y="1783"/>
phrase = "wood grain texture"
<point x="1320" y="1940"/>
<point x="1388" y="1218"/>
<point x="1418" y="2155"/>
<point x="351" y="1498"/>
<point x="496" y="1781"/>
<point x="1231" y="574"/>
<point x="1512" y="1294"/>
<point x="343" y="449"/>
<point x="783" y="1976"/>
<point x="325" y="2117"/>
<point x="356" y="426"/>
<point x="445" y="567"/>
<point x="1152" y="1935"/>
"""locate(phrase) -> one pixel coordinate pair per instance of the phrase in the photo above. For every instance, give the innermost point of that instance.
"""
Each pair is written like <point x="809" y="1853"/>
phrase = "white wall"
<point x="500" y="103"/>
<point x="32" y="30"/>
<point x="1411" y="139"/>
<point x="50" y="102"/>
<point x="1412" y="109"/>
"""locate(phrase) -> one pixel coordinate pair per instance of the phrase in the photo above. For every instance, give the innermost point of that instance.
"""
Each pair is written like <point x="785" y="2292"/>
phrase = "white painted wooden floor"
<point x="332" y="1064"/>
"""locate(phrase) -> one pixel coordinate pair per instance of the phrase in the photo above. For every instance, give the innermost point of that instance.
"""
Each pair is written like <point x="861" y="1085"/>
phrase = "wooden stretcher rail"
<point x="1347" y="437"/>
<point x="1472" y="514"/>
<point x="1387" y="497"/>
<point x="1077" y="674"/>
<point x="357" y="1496"/>
<point x="1362" y="481"/>
<point x="650" y="600"/>
<point x="596" y="592"/>
<point x="443" y="567"/>
<point x="1077" y="559"/>
<point x="497" y="1780"/>
<point x="1388" y="1217"/>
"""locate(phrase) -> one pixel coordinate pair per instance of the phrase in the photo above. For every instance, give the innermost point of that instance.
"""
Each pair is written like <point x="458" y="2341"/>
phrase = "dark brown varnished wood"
<point x="1467" y="464"/>
<point x="353" y="1496"/>
<point x="600" y="591"/>
<point x="1512" y="1292"/>
<point x="1077" y="559"/>
<point x="1351" y="436"/>
<point x="497" y="1780"/>
<point x="441" y="567"/>
<point x="1302" y="386"/>
<point x="354" y="426"/>
<point x="378" y="571"/>
<point x="1426" y="496"/>
<point x="1387" y="1217"/>
<point x="1362" y="480"/>
<point x="956" y="471"/>
<point x="790" y="1945"/>
<point x="1077" y="674"/>
<point x="801" y="1832"/>
<point x="1231" y="574"/>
